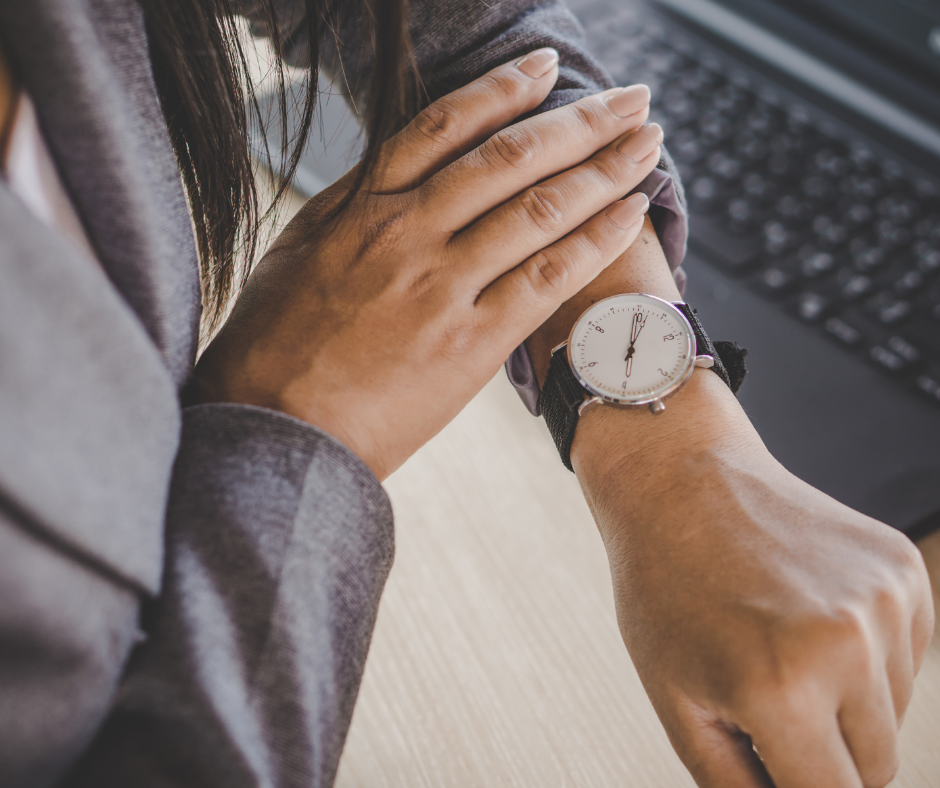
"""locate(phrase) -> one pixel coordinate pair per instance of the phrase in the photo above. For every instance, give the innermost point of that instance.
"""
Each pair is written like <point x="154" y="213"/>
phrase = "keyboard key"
<point x="811" y="306"/>
<point x="816" y="264"/>
<point x="894" y="313"/>
<point x="794" y="209"/>
<point x="704" y="195"/>
<point x="724" y="166"/>
<point x="868" y="258"/>
<point x="862" y="187"/>
<point x="929" y="385"/>
<point x="891" y="235"/>
<point x="859" y="214"/>
<point x="904" y="349"/>
<point x="762" y="120"/>
<point x="715" y="128"/>
<point x="778" y="239"/>
<point x="861" y="155"/>
<point x="909" y="283"/>
<point x="927" y="257"/>
<point x="687" y="146"/>
<point x="817" y="188"/>
<point x="843" y="331"/>
<point x="831" y="163"/>
<point x="729" y="98"/>
<point x="751" y="149"/>
<point x="829" y="231"/>
<point x="899" y="208"/>
<point x="758" y="187"/>
<point x="783" y="164"/>
<point x="745" y="215"/>
<point x="928" y="228"/>
<point x="856" y="287"/>
<point x="776" y="281"/>
<point x="887" y="360"/>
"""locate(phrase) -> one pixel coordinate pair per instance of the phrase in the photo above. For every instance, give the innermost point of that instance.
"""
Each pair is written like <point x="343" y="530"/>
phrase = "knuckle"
<point x="438" y="123"/>
<point x="540" y="206"/>
<point x="608" y="169"/>
<point x="589" y="117"/>
<point x="548" y="273"/>
<point x="596" y="243"/>
<point x="910" y="562"/>
<point x="847" y="639"/>
<point x="505" y="85"/>
<point x="508" y="147"/>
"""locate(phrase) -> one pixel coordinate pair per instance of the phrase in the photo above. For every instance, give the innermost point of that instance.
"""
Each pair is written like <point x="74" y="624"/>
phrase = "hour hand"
<point x="629" y="362"/>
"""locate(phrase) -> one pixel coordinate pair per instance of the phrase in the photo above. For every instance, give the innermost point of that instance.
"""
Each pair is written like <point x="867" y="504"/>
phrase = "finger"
<point x="522" y="299"/>
<point x="870" y="729"/>
<point x="544" y="213"/>
<point x="720" y="756"/>
<point x="448" y="128"/>
<point x="530" y="151"/>
<point x="803" y="749"/>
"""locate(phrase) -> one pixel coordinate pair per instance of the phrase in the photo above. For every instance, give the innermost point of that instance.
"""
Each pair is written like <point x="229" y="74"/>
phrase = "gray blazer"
<point x="186" y="595"/>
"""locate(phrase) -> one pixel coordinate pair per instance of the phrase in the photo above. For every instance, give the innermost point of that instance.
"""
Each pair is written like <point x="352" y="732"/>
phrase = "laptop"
<point x="807" y="133"/>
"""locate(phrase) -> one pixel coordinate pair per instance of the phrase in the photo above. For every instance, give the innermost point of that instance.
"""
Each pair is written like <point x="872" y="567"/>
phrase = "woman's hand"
<point x="760" y="613"/>
<point x="378" y="326"/>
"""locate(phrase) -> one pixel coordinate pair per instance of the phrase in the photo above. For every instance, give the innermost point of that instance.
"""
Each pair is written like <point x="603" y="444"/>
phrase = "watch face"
<point x="632" y="349"/>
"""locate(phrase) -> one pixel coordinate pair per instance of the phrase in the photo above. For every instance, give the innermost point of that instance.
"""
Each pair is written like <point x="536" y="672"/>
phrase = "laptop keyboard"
<point x="822" y="227"/>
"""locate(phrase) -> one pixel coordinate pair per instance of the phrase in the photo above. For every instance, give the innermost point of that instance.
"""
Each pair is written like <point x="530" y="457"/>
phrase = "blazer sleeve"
<point x="279" y="542"/>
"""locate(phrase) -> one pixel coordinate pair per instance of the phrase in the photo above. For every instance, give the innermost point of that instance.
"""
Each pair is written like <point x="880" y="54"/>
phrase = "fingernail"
<point x="628" y="101"/>
<point x="624" y="214"/>
<point x="539" y="63"/>
<point x="642" y="143"/>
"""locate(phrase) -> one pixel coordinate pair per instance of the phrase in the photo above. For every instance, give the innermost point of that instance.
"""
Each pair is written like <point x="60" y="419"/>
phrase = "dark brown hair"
<point x="201" y="71"/>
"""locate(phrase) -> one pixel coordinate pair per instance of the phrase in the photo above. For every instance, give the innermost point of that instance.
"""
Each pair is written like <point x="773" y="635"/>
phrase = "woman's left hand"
<point x="378" y="325"/>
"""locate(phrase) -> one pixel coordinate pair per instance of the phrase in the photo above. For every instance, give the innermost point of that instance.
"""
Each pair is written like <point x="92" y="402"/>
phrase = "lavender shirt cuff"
<point x="671" y="221"/>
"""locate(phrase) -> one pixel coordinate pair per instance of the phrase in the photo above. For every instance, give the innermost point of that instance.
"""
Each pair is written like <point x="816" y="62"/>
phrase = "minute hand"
<point x="635" y="329"/>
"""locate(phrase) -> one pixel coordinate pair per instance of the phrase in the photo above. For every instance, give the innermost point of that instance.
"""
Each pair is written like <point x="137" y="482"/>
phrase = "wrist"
<point x="630" y="461"/>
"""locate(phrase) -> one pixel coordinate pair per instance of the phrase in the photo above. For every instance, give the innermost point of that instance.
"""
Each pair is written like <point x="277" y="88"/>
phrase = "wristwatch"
<point x="629" y="351"/>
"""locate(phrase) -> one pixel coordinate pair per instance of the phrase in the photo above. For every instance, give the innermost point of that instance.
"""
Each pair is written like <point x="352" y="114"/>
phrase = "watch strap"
<point x="559" y="400"/>
<point x="703" y="345"/>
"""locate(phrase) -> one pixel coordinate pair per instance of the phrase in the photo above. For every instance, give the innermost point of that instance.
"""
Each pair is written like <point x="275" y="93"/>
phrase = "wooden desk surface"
<point x="496" y="659"/>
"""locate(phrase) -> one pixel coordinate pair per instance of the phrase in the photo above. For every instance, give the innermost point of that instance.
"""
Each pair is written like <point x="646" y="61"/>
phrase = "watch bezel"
<point x="673" y="387"/>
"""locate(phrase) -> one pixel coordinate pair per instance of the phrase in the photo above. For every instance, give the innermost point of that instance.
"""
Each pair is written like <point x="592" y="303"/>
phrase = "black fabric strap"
<point x="559" y="400"/>
<point x="562" y="394"/>
<point x="703" y="345"/>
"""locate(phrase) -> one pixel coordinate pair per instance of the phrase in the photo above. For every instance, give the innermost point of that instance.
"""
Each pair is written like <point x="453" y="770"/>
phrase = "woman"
<point x="188" y="581"/>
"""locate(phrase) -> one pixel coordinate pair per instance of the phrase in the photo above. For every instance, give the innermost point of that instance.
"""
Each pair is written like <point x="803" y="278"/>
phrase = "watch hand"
<point x="629" y="363"/>
<point x="639" y="321"/>
<point x="635" y="329"/>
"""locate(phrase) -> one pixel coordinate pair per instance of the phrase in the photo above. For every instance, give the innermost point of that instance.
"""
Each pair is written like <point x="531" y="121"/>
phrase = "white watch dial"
<point x="632" y="349"/>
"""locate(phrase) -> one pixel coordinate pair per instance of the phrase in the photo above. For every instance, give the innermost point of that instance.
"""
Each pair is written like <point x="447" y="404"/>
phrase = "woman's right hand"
<point x="380" y="324"/>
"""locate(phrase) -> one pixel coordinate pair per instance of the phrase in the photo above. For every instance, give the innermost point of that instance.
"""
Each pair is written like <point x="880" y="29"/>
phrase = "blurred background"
<point x="808" y="138"/>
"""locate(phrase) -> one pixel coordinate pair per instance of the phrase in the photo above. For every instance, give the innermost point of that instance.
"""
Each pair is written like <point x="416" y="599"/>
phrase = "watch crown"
<point x="657" y="406"/>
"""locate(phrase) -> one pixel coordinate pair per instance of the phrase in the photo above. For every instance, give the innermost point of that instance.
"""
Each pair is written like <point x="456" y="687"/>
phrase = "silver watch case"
<point x="655" y="403"/>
